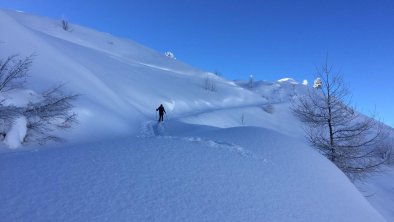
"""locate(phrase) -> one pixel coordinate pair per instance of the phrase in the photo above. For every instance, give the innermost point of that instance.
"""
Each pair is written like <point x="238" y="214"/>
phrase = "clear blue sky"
<point x="269" y="39"/>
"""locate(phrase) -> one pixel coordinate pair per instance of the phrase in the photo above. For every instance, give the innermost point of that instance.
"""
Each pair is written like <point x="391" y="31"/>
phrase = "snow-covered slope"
<point x="232" y="154"/>
<point x="121" y="82"/>
<point x="190" y="173"/>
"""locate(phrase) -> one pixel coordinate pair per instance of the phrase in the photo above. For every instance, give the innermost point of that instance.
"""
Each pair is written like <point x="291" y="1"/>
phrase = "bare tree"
<point x="66" y="25"/>
<point x="13" y="72"/>
<point x="52" y="111"/>
<point x="353" y="142"/>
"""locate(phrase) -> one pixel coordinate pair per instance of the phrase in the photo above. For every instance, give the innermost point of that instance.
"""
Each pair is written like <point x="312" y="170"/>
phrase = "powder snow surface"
<point x="235" y="174"/>
<point x="224" y="153"/>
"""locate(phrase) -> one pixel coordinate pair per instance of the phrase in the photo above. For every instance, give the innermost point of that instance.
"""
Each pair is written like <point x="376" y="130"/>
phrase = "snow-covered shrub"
<point x="7" y="116"/>
<point x="13" y="74"/>
<point x="210" y="84"/>
<point x="17" y="132"/>
<point x="250" y="83"/>
<point x="268" y="108"/>
<point x="66" y="25"/>
<point x="51" y="113"/>
<point x="170" y="55"/>
<point x="2" y="129"/>
<point x="317" y="83"/>
<point x="33" y="120"/>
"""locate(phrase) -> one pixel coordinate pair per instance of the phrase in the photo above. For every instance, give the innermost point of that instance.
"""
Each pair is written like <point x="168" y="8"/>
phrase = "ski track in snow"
<point x="152" y="129"/>
<point x="205" y="111"/>
<point x="218" y="144"/>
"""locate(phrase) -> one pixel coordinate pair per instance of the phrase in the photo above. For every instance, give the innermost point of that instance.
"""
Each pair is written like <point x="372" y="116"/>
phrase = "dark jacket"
<point x="161" y="109"/>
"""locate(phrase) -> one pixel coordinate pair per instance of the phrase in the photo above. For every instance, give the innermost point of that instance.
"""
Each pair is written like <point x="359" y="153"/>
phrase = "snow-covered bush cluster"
<point x="268" y="108"/>
<point x="317" y="83"/>
<point x="170" y="55"/>
<point x="27" y="116"/>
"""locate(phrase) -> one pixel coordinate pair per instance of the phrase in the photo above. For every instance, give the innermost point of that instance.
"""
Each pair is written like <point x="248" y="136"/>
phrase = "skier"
<point x="161" y="112"/>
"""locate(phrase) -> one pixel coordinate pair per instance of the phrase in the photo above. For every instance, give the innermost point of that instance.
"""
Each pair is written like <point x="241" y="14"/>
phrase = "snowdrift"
<point x="190" y="173"/>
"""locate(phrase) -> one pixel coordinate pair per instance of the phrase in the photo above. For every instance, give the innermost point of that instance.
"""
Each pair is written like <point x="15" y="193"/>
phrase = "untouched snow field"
<point x="379" y="190"/>
<point x="229" y="154"/>
<point x="203" y="174"/>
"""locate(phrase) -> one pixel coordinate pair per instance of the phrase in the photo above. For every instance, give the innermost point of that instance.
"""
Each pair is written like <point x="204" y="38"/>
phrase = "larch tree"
<point x="355" y="143"/>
